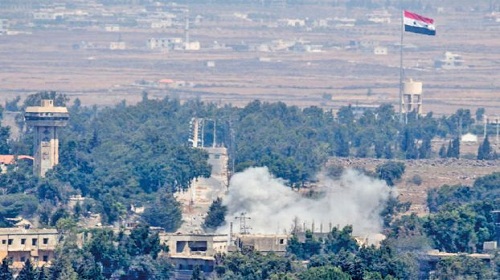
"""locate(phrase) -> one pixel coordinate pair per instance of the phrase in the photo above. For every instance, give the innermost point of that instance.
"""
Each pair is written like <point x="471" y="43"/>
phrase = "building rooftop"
<point x="9" y="159"/>
<point x="8" y="231"/>
<point x="47" y="106"/>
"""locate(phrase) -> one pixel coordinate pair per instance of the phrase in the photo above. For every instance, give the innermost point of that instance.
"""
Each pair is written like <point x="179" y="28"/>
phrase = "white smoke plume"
<point x="354" y="199"/>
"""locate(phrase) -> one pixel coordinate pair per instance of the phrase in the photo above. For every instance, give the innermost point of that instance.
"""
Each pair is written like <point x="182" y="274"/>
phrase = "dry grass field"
<point x="433" y="173"/>
<point x="45" y="59"/>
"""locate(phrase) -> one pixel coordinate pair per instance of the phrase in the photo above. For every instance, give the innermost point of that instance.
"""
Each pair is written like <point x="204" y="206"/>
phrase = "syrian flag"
<point x="418" y="24"/>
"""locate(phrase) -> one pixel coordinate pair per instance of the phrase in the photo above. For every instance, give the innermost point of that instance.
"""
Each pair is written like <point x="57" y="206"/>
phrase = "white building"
<point x="380" y="51"/>
<point x="161" y="24"/>
<point x="112" y="28"/>
<point x="450" y="61"/>
<point x="117" y="45"/>
<point x="4" y="26"/>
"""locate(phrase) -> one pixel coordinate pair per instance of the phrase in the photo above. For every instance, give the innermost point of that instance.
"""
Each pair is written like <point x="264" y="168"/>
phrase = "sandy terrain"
<point x="48" y="59"/>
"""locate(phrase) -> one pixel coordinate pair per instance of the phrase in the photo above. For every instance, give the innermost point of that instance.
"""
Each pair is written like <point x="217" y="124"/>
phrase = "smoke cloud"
<point x="354" y="199"/>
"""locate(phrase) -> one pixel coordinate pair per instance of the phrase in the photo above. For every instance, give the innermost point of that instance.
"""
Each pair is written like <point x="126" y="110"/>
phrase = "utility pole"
<point x="497" y="131"/>
<point x="485" y="120"/>
<point x="244" y="229"/>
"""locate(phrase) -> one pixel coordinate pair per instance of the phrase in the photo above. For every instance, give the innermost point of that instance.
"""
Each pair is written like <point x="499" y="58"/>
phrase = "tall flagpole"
<point x="401" y="71"/>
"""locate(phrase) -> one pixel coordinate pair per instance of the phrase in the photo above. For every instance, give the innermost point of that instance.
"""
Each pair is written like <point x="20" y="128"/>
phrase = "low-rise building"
<point x="263" y="243"/>
<point x="117" y="45"/>
<point x="4" y="26"/>
<point x="186" y="251"/>
<point x="19" y="244"/>
<point x="6" y="160"/>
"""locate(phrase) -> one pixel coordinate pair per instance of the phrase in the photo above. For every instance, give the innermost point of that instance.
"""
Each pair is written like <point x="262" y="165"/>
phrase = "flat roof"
<point x="22" y="231"/>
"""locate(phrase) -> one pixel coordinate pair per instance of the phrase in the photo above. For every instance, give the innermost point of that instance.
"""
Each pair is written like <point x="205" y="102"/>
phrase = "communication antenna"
<point x="186" y="30"/>
<point x="244" y="229"/>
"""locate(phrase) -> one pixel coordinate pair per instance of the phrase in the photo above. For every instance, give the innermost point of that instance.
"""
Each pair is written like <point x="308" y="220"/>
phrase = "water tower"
<point x="412" y="97"/>
<point x="46" y="120"/>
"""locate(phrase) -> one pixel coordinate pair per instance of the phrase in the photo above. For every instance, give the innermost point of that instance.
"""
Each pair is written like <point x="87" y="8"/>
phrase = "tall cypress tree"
<point x="484" y="151"/>
<point x="5" y="273"/>
<point x="28" y="272"/>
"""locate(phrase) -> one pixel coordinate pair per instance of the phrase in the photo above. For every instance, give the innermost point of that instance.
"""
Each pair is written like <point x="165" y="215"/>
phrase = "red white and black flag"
<point x="418" y="24"/>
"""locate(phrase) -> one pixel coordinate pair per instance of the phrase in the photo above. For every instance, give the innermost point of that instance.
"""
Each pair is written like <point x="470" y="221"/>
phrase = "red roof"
<point x="9" y="159"/>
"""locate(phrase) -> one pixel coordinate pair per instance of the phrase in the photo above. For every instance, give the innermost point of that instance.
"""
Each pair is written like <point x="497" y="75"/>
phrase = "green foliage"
<point x="142" y="241"/>
<point x="407" y="234"/>
<point x="15" y="205"/>
<point x="453" y="150"/>
<point x="106" y="255"/>
<point x="304" y="250"/>
<point x="216" y="215"/>
<point x="197" y="274"/>
<point x="392" y="208"/>
<point x="480" y="114"/>
<point x="390" y="172"/>
<point x="164" y="212"/>
<point x="485" y="152"/>
<point x="324" y="273"/>
<point x="338" y="240"/>
<point x="28" y="272"/>
<point x="461" y="229"/>
<point x="5" y="272"/>
<point x="12" y="105"/>
<point x="462" y="267"/>
<point x="252" y="265"/>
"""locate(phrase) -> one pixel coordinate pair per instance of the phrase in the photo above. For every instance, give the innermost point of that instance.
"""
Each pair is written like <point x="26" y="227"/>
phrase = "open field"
<point x="47" y="59"/>
<point x="433" y="172"/>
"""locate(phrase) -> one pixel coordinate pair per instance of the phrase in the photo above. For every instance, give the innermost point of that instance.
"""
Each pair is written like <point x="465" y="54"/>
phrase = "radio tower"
<point x="244" y="229"/>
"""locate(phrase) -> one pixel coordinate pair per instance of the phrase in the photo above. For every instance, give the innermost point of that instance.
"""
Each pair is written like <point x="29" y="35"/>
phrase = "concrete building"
<point x="161" y="24"/>
<point x="264" y="243"/>
<point x="6" y="160"/>
<point x="412" y="97"/>
<point x="117" y="45"/>
<point x="380" y="51"/>
<point x="165" y="44"/>
<point x="46" y="120"/>
<point x="112" y="28"/>
<point x="450" y="61"/>
<point x="4" y="26"/>
<point x="19" y="244"/>
<point x="187" y="251"/>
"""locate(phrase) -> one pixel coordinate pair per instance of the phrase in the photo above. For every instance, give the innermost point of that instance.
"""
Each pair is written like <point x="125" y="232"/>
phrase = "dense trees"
<point x="107" y="255"/>
<point x="163" y="212"/>
<point x="462" y="267"/>
<point x="5" y="272"/>
<point x="342" y="253"/>
<point x="131" y="152"/>
<point x="462" y="218"/>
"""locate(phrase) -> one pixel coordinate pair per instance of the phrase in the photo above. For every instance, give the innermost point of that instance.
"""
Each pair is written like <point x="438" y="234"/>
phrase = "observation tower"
<point x="46" y="120"/>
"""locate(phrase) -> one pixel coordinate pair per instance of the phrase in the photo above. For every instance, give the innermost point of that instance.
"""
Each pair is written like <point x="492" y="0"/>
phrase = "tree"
<point x="462" y="267"/>
<point x="5" y="273"/>
<point x="28" y="272"/>
<point x="453" y="148"/>
<point x="142" y="241"/>
<point x="390" y="172"/>
<point x="164" y="212"/>
<point x="304" y="250"/>
<point x="216" y="215"/>
<point x="442" y="151"/>
<point x="197" y="273"/>
<point x="338" y="240"/>
<point x="324" y="273"/>
<point x="480" y="114"/>
<point x="485" y="152"/>
<point x="142" y="267"/>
